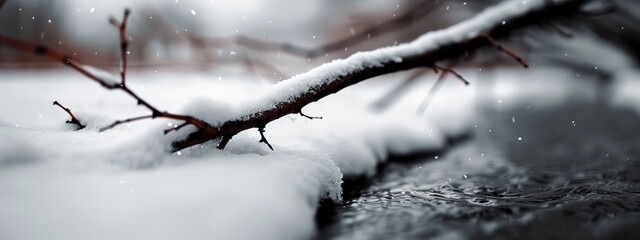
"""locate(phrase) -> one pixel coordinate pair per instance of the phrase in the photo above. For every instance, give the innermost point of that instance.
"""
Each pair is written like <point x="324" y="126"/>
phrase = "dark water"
<point x="570" y="172"/>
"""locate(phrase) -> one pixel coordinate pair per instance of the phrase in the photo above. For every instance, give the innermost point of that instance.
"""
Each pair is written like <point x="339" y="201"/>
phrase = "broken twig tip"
<point x="263" y="139"/>
<point x="73" y="120"/>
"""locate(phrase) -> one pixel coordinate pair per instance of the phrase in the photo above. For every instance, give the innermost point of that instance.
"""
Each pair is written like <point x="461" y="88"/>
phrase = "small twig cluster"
<point x="108" y="83"/>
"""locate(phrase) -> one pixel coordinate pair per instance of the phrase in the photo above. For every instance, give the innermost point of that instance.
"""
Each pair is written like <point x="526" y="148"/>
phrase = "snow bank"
<point x="122" y="183"/>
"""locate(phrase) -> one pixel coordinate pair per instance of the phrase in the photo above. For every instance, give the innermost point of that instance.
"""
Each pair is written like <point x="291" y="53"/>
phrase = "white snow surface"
<point x="57" y="183"/>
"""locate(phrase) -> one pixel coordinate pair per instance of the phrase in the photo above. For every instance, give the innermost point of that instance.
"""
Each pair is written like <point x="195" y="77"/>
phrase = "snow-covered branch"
<point x="290" y="96"/>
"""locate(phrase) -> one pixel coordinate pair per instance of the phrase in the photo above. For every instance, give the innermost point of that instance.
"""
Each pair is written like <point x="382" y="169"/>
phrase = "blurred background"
<point x="279" y="38"/>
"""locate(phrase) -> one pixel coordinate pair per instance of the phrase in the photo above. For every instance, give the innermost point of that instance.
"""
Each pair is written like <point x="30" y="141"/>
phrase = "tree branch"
<point x="289" y="96"/>
<point x="506" y="51"/>
<point x="450" y="43"/>
<point x="104" y="78"/>
<point x="124" y="44"/>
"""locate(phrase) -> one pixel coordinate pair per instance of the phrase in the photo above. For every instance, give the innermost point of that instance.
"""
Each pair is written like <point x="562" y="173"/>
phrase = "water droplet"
<point x="193" y="12"/>
<point x="519" y="138"/>
<point x="92" y="9"/>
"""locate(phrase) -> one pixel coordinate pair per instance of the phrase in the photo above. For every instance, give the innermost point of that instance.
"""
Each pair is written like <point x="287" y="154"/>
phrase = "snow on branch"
<point x="290" y="96"/>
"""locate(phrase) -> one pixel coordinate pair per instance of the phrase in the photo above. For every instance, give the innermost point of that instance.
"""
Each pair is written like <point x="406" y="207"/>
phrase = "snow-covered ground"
<point x="56" y="183"/>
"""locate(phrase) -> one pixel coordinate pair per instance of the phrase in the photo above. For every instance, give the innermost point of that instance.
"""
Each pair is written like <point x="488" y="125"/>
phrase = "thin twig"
<point x="443" y="69"/>
<point x="307" y="116"/>
<point x="57" y="56"/>
<point x="509" y="53"/>
<point x="262" y="138"/>
<point x="74" y="120"/>
<point x="176" y="128"/>
<point x="432" y="92"/>
<point x="128" y="120"/>
<point x="124" y="44"/>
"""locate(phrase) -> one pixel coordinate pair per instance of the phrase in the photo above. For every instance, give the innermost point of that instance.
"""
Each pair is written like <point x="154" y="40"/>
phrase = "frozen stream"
<point x="571" y="172"/>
